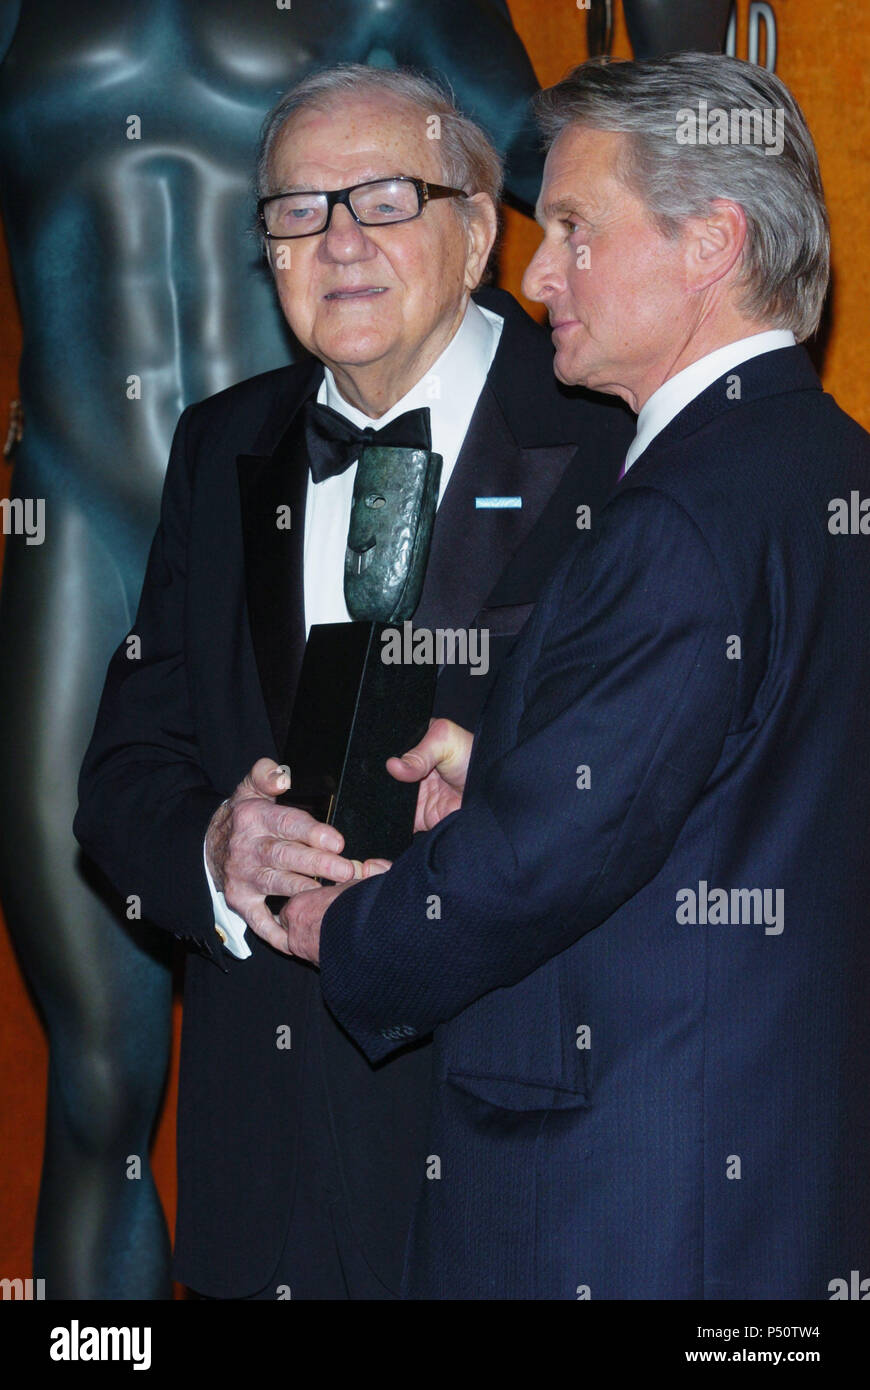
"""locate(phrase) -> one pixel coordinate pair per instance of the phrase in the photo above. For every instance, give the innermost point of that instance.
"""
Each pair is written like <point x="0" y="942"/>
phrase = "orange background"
<point x="824" y="56"/>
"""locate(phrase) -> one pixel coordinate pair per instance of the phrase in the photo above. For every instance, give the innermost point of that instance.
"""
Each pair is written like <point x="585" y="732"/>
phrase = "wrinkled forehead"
<point x="353" y="139"/>
<point x="582" y="165"/>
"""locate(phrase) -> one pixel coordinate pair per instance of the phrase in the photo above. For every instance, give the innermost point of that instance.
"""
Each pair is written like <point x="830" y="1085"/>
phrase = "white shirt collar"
<point x="450" y="388"/>
<point x="676" y="393"/>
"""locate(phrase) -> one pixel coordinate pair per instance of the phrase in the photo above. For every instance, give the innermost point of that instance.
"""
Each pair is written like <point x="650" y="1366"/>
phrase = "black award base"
<point x="352" y="711"/>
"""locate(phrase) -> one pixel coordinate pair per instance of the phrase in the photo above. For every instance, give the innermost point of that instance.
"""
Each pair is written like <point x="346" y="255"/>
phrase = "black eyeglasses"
<point x="377" y="203"/>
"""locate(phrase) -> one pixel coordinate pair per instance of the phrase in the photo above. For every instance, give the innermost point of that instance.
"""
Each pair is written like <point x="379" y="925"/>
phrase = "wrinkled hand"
<point x="302" y="915"/>
<point x="439" y="762"/>
<point x="255" y="849"/>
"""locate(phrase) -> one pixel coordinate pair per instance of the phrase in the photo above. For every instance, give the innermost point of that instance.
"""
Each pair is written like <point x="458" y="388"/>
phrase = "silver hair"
<point x="469" y="160"/>
<point x="786" y="258"/>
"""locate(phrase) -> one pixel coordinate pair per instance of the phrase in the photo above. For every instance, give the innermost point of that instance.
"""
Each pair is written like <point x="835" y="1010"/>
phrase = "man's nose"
<point x="344" y="239"/>
<point x="541" y="279"/>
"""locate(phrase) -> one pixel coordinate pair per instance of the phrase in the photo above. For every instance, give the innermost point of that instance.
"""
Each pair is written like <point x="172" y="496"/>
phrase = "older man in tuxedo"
<point x="650" y="968"/>
<point x="299" y="1160"/>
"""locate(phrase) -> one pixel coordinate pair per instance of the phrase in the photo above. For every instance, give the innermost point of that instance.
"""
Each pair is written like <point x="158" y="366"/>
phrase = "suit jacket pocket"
<point x="504" y="621"/>
<point x="517" y="1047"/>
<point x="514" y="1093"/>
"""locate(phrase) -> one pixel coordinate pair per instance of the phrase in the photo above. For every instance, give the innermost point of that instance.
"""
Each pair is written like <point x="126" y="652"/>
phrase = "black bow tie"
<point x="334" y="443"/>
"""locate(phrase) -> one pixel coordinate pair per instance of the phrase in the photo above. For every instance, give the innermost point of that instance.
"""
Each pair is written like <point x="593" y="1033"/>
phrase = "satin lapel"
<point x="471" y="545"/>
<point x="273" y="569"/>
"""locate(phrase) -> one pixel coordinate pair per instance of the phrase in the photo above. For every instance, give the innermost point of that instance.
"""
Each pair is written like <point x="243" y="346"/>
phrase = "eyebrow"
<point x="559" y="208"/>
<point x="305" y="188"/>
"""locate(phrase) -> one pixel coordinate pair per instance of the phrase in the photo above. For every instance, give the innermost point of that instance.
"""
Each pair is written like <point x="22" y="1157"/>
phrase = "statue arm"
<point x="475" y="46"/>
<point x="10" y="13"/>
<point x="145" y="802"/>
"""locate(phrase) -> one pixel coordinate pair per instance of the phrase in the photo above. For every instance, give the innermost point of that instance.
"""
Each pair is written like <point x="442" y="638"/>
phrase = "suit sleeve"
<point x="570" y="809"/>
<point x="144" y="800"/>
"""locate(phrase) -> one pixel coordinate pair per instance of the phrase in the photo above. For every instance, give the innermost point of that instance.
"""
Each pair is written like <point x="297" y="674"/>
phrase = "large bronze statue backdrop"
<point x="127" y="129"/>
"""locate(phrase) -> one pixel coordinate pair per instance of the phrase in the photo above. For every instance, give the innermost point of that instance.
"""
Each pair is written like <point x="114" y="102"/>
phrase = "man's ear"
<point x="481" y="230"/>
<point x="714" y="243"/>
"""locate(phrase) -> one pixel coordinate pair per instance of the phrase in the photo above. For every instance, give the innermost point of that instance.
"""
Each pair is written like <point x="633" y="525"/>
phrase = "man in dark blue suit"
<point x="642" y="941"/>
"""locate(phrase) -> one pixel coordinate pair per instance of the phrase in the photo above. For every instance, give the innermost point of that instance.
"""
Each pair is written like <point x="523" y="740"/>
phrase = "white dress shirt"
<point x="450" y="389"/>
<point x="674" y="395"/>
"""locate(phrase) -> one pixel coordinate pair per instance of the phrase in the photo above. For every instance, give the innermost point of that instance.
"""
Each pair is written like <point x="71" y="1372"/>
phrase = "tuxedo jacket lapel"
<point x="268" y="482"/>
<point x="472" y="545"/>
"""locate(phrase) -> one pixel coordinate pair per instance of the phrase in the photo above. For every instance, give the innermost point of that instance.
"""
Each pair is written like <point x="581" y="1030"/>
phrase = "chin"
<point x="569" y="373"/>
<point x="355" y="347"/>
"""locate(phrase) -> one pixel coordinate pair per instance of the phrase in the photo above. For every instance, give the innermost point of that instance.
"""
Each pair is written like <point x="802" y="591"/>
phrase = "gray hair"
<point x="469" y="160"/>
<point x="786" y="258"/>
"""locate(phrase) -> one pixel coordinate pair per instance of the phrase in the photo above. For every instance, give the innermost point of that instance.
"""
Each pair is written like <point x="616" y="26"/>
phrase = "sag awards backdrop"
<point x="822" y="51"/>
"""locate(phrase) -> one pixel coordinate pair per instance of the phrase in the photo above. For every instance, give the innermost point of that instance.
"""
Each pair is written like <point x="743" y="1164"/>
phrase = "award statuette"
<point x="352" y="711"/>
<point x="656" y="27"/>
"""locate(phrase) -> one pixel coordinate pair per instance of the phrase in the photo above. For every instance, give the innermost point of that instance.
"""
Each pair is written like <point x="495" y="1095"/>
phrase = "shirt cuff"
<point x="229" y="926"/>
